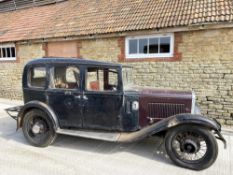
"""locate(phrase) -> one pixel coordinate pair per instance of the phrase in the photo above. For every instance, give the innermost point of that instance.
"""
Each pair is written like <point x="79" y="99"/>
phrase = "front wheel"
<point x="192" y="147"/>
<point x="38" y="128"/>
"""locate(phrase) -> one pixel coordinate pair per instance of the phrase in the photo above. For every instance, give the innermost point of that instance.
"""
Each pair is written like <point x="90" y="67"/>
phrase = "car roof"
<point x="81" y="61"/>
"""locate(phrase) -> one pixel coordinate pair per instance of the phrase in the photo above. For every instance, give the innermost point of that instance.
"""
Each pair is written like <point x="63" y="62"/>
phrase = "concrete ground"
<point x="72" y="155"/>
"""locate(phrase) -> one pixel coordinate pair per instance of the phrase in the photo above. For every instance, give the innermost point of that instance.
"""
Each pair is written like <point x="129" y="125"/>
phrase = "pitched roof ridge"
<point x="79" y="18"/>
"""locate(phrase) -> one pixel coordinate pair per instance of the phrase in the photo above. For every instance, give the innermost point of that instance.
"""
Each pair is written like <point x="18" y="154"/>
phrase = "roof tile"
<point x="78" y="17"/>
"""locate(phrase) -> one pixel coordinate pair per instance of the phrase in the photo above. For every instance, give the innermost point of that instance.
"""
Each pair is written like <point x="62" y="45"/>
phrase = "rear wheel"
<point x="191" y="147"/>
<point x="38" y="129"/>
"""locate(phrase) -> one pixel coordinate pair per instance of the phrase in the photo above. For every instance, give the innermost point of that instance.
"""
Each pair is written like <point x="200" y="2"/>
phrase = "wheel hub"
<point x="190" y="146"/>
<point x="37" y="128"/>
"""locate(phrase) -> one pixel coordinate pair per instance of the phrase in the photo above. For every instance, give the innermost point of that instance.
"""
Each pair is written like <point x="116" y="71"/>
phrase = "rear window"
<point x="37" y="77"/>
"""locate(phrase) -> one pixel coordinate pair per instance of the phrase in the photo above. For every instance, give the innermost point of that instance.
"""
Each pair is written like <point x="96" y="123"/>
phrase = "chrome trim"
<point x="193" y="102"/>
<point x="164" y="110"/>
<point x="135" y="105"/>
<point x="36" y="128"/>
<point x="197" y="110"/>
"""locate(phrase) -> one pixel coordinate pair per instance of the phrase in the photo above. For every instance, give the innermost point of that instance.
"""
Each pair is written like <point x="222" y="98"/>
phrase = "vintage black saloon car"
<point x="97" y="100"/>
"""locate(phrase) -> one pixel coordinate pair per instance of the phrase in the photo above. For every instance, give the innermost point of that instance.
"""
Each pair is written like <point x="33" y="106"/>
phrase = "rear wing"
<point x="14" y="111"/>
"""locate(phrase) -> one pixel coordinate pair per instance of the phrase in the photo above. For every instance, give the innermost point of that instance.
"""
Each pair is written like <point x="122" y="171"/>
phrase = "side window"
<point x="112" y="79"/>
<point x="66" y="77"/>
<point x="7" y="52"/>
<point x="98" y="79"/>
<point x="37" y="77"/>
<point x="153" y="46"/>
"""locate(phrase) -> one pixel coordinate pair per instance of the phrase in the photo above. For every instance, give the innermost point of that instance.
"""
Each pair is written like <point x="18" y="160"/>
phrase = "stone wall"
<point x="11" y="71"/>
<point x="100" y="49"/>
<point x="206" y="66"/>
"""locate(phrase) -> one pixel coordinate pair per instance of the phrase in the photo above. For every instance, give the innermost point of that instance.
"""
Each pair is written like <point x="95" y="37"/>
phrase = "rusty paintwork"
<point x="165" y="103"/>
<point x="161" y="98"/>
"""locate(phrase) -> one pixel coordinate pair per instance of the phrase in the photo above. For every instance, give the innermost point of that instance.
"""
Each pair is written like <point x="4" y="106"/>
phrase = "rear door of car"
<point x="64" y="95"/>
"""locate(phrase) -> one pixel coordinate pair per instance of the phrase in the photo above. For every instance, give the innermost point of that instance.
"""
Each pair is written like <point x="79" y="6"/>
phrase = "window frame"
<point x="52" y="78"/>
<point x="29" y="77"/>
<point x="154" y="55"/>
<point x="2" y="46"/>
<point x="104" y="91"/>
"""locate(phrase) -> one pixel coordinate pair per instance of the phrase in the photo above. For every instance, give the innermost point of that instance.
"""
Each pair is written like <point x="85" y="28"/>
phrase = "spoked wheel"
<point x="38" y="128"/>
<point x="191" y="147"/>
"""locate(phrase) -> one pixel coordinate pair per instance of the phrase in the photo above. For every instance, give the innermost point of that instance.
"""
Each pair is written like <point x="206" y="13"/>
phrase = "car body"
<point x="98" y="100"/>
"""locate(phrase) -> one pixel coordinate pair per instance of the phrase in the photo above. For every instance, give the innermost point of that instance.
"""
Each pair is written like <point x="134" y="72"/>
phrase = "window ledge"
<point x="177" y="57"/>
<point x="7" y="59"/>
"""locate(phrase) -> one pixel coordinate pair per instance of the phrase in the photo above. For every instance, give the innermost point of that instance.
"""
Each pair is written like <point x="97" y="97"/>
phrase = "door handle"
<point x="68" y="93"/>
<point x="77" y="97"/>
<point x="85" y="97"/>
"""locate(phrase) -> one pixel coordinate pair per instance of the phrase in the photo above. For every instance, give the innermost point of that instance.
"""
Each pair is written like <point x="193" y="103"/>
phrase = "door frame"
<point x="118" y="92"/>
<point x="71" y="92"/>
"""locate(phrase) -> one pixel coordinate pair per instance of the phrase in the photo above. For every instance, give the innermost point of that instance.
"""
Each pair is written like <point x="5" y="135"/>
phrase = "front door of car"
<point x="64" y="95"/>
<point x="103" y="99"/>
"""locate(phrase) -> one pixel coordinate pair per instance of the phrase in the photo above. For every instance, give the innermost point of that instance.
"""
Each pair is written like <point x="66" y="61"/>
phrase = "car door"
<point x="103" y="98"/>
<point x="64" y="95"/>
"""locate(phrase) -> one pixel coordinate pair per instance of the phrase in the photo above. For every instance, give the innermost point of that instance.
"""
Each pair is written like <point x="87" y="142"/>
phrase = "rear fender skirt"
<point x="171" y="122"/>
<point x="37" y="105"/>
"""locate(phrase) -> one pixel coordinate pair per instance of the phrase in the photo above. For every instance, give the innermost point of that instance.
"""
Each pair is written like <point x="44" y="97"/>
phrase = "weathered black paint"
<point x="174" y="121"/>
<point x="130" y="118"/>
<point x="34" y="93"/>
<point x="102" y="110"/>
<point x="67" y="107"/>
<point x="36" y="105"/>
<point x="79" y="108"/>
<point x="108" y="111"/>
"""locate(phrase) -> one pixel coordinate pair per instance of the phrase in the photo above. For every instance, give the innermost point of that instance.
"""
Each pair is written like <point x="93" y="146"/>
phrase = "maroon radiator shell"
<point x="160" y="98"/>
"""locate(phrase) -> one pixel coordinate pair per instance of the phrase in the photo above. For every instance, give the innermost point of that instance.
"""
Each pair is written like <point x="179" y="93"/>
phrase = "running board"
<point x="106" y="136"/>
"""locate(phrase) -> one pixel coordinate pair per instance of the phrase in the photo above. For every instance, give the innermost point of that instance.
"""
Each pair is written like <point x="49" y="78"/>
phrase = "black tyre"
<point x="192" y="147"/>
<point x="38" y="129"/>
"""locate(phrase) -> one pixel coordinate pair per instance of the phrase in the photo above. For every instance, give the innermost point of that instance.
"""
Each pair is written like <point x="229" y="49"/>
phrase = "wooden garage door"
<point x="62" y="49"/>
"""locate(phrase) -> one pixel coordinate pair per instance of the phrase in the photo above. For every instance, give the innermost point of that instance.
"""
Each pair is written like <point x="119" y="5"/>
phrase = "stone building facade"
<point x="205" y="66"/>
<point x="202" y="59"/>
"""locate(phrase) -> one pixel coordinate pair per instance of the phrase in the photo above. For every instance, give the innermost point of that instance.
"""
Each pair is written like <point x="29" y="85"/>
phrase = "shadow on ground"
<point x="150" y="148"/>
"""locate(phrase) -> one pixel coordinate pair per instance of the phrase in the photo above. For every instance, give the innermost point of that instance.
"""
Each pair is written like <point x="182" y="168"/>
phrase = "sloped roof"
<point x="79" y="17"/>
<point x="9" y="5"/>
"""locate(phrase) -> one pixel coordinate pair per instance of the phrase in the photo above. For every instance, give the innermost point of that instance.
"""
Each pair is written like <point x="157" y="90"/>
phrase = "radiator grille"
<point x="163" y="110"/>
